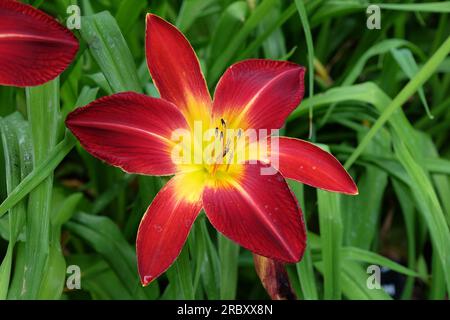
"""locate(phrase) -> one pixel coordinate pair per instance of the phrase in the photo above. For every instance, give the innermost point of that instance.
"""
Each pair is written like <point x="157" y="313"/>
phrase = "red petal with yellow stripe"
<point x="259" y="212"/>
<point x="259" y="94"/>
<point x="34" y="47"/>
<point x="164" y="230"/>
<point x="309" y="164"/>
<point x="175" y="68"/>
<point x="129" y="130"/>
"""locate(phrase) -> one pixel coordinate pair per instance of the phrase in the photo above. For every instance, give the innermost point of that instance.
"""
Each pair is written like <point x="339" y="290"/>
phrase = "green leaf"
<point x="361" y="214"/>
<point x="305" y="268"/>
<point x="274" y="45"/>
<point x="377" y="49"/>
<point x="272" y="30"/>
<point x="190" y="11"/>
<point x="106" y="239"/>
<point x="439" y="7"/>
<point x="420" y="78"/>
<point x="309" y="44"/>
<point x="406" y="201"/>
<point x="331" y="229"/>
<point x="17" y="151"/>
<point x="211" y="270"/>
<point x="230" y="22"/>
<point x="423" y="191"/>
<point x="334" y="8"/>
<point x="128" y="14"/>
<point x="228" y="256"/>
<point x="250" y="24"/>
<point x="357" y="254"/>
<point x="208" y="268"/>
<point x="98" y="278"/>
<point x="109" y="48"/>
<point x="427" y="202"/>
<point x="39" y="173"/>
<point x="43" y="111"/>
<point x="182" y="270"/>
<point x="354" y="284"/>
<point x="406" y="61"/>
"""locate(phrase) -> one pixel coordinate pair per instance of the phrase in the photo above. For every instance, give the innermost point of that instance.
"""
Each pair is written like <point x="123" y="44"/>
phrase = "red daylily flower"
<point x="134" y="132"/>
<point x="34" y="47"/>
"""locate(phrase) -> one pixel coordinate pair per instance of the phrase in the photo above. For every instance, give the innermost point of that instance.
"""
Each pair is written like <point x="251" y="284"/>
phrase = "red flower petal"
<point x="175" y="68"/>
<point x="34" y="47"/>
<point x="309" y="164"/>
<point x="260" y="213"/>
<point x="259" y="94"/>
<point x="164" y="230"/>
<point x="129" y="130"/>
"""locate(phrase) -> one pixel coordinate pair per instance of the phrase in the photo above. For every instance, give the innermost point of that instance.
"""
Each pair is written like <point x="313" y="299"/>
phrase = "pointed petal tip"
<point x="347" y="190"/>
<point x="351" y="189"/>
<point x="355" y="191"/>
<point x="159" y="238"/>
<point x="146" y="280"/>
<point x="309" y="164"/>
<point x="174" y="66"/>
<point x="149" y="16"/>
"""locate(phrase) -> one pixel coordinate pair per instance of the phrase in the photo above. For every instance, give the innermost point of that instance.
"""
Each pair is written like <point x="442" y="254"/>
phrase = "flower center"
<point x="217" y="150"/>
<point x="225" y="148"/>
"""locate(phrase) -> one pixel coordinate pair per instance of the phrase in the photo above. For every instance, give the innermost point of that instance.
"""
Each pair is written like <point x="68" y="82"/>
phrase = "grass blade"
<point x="109" y="49"/>
<point x="309" y="44"/>
<point x="228" y="255"/>
<point x="331" y="229"/>
<point x="39" y="174"/>
<point x="16" y="144"/>
<point x="423" y="75"/>
<point x="227" y="55"/>
<point x="43" y="111"/>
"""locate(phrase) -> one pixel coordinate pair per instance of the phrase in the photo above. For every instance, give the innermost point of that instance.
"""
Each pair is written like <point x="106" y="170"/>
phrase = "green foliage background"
<point x="378" y="99"/>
